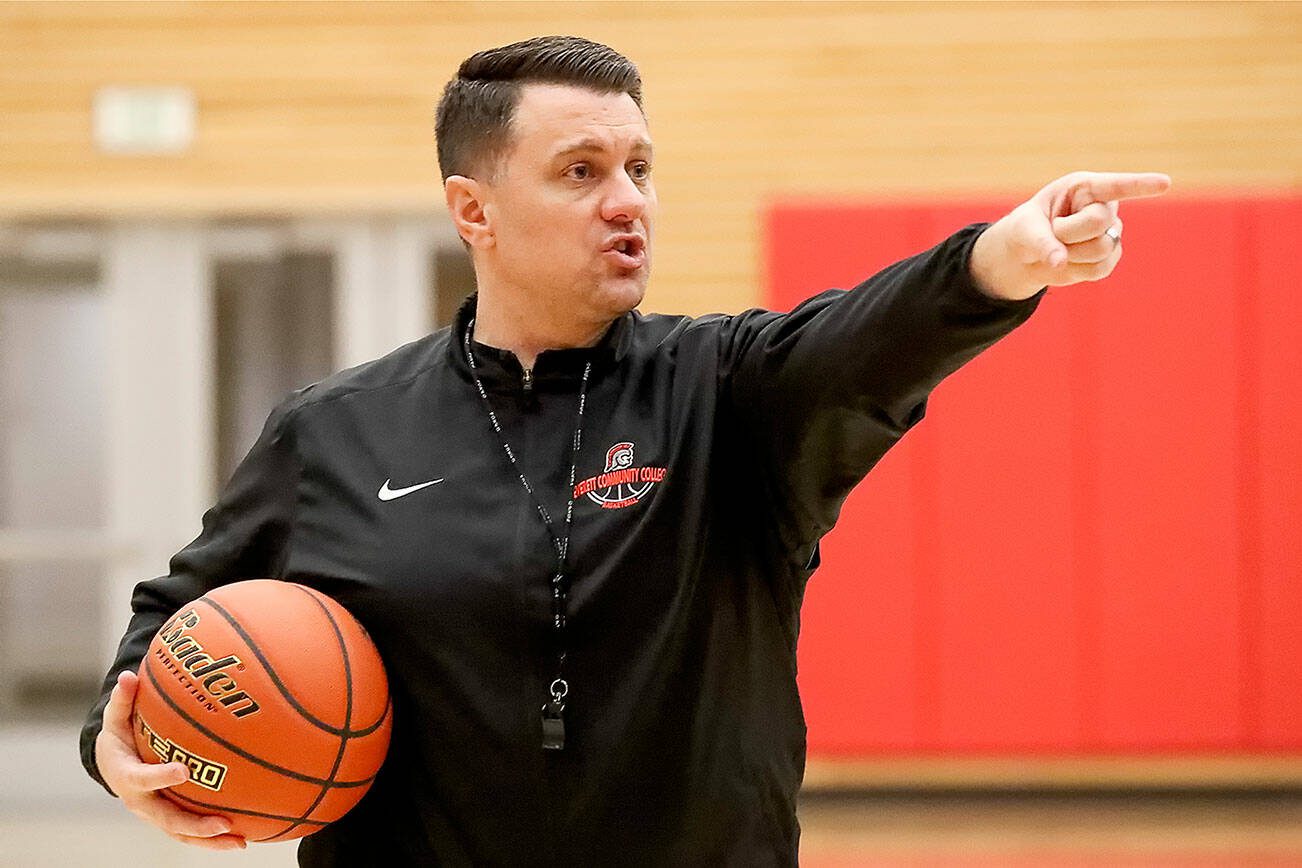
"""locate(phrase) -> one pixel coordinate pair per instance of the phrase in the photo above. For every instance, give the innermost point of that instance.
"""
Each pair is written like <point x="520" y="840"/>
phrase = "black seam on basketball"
<point x="271" y="838"/>
<point x="384" y="715"/>
<point x="275" y="678"/>
<point x="241" y="811"/>
<point x="348" y="715"/>
<point x="239" y="751"/>
<point x="270" y="670"/>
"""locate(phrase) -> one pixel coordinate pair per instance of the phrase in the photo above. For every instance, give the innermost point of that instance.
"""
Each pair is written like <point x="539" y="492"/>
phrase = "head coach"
<point x="580" y="535"/>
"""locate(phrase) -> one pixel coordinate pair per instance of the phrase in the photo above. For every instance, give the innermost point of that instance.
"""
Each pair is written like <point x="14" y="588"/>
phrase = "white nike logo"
<point x="387" y="493"/>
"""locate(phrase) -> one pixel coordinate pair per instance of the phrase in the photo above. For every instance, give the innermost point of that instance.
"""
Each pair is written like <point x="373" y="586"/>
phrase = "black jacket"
<point x="685" y="734"/>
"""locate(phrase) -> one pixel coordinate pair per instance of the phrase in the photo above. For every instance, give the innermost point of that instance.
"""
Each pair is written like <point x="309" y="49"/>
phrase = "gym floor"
<point x="1059" y="830"/>
<point x="53" y="816"/>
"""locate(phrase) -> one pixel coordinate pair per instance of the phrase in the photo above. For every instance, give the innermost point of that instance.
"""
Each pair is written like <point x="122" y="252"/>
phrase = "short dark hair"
<point x="473" y="121"/>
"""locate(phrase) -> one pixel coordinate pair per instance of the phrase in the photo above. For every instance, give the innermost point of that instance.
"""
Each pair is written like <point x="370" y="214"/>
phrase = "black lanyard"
<point x="553" y="724"/>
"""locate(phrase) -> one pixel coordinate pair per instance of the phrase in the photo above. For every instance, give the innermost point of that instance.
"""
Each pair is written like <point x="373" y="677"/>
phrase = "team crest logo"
<point x="621" y="484"/>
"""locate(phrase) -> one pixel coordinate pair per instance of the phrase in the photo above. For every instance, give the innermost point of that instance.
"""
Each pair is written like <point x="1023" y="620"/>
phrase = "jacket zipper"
<point x="528" y="380"/>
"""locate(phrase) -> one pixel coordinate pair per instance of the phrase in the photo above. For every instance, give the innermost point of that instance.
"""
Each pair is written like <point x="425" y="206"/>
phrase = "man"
<point x="580" y="536"/>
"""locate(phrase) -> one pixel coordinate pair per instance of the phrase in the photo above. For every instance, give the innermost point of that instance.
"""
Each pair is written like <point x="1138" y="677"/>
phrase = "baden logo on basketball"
<point x="301" y="754"/>
<point x="621" y="484"/>
<point x="203" y="677"/>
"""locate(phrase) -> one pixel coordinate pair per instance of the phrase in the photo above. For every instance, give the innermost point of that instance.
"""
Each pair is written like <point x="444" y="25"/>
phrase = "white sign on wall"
<point x="143" y="120"/>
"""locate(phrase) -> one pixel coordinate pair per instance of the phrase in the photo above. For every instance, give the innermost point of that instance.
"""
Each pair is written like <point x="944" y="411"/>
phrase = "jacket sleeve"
<point x="244" y="536"/>
<point x="820" y="394"/>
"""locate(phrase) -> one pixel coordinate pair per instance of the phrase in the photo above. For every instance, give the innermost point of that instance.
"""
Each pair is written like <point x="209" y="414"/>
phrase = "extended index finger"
<point x="1110" y="186"/>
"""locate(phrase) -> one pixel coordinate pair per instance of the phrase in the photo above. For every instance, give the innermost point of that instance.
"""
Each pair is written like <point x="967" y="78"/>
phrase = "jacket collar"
<point x="501" y="367"/>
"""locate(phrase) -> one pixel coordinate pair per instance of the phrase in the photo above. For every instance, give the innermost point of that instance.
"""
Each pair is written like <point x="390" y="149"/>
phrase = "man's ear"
<point x="465" y="198"/>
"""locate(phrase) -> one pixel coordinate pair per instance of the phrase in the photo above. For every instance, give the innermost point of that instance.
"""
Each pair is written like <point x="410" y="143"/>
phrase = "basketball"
<point x="275" y="698"/>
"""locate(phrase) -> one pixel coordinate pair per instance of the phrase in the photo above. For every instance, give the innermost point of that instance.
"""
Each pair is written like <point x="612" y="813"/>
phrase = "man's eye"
<point x="641" y="171"/>
<point x="579" y="171"/>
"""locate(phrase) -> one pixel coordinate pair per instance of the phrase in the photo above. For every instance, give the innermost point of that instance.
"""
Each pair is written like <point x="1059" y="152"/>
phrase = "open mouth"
<point x="627" y="251"/>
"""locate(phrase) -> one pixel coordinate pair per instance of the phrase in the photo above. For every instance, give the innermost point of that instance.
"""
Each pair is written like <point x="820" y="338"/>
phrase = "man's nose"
<point x="625" y="201"/>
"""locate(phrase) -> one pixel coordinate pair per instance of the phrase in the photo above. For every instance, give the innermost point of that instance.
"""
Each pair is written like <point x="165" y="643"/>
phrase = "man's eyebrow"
<point x="597" y="145"/>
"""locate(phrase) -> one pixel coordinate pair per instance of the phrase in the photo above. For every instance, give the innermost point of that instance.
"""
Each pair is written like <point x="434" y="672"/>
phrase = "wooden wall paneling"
<point x="311" y="107"/>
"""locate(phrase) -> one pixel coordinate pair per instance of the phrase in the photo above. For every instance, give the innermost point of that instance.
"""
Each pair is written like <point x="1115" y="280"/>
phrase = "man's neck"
<point x="527" y="332"/>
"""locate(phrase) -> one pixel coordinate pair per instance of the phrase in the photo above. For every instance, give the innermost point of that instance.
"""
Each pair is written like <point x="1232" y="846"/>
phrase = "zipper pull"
<point x="528" y="380"/>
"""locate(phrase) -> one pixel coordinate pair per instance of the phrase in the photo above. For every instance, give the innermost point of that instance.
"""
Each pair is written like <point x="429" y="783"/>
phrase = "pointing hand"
<point x="1068" y="232"/>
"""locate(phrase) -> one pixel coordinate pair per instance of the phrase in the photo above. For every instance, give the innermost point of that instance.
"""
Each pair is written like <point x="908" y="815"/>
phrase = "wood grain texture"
<point x="309" y="107"/>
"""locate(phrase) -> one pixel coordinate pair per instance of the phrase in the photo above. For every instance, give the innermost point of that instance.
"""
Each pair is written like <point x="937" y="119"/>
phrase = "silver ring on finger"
<point x="1115" y="234"/>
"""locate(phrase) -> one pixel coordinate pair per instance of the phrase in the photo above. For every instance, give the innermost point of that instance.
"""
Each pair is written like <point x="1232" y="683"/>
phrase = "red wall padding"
<point x="1093" y="542"/>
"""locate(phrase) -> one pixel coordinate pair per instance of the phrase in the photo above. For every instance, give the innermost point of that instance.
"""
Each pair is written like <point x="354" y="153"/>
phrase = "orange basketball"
<point x="275" y="698"/>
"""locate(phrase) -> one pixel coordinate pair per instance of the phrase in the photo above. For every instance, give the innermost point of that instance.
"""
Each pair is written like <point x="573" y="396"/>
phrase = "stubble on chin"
<point x="623" y="297"/>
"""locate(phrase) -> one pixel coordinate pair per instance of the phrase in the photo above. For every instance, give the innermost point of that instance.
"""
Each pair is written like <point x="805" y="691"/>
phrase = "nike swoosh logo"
<point x="387" y="493"/>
